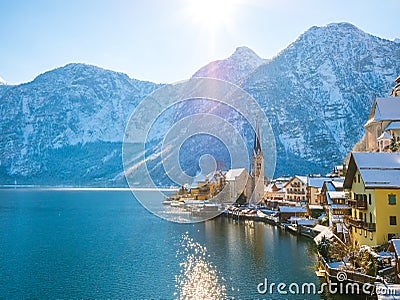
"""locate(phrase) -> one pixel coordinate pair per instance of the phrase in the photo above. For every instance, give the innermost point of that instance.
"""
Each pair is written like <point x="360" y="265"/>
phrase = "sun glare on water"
<point x="198" y="277"/>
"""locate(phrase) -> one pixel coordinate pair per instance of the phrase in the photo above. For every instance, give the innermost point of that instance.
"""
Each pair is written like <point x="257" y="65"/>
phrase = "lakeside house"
<point x="383" y="123"/>
<point x="332" y="185"/>
<point x="296" y="189"/>
<point x="314" y="188"/>
<point x="373" y="183"/>
<point x="275" y="190"/>
<point x="338" y="209"/>
<point x="288" y="212"/>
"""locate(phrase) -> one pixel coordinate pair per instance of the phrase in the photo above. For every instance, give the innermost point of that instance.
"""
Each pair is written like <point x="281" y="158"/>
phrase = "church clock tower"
<point x="257" y="168"/>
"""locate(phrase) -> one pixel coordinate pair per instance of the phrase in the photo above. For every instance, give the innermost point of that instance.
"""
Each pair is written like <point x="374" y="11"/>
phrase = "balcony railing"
<point x="359" y="204"/>
<point x="360" y="223"/>
<point x="369" y="226"/>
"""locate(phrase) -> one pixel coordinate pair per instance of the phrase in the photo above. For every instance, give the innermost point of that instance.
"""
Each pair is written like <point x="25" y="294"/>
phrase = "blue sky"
<point x="165" y="40"/>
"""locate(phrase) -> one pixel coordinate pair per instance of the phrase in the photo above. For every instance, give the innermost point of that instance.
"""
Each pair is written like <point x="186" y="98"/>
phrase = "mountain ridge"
<point x="66" y="125"/>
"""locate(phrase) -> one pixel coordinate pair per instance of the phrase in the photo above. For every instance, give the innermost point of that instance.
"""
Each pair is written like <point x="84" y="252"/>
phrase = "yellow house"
<point x="373" y="182"/>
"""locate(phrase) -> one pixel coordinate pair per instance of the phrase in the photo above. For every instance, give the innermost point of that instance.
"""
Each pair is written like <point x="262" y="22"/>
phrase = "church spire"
<point x="257" y="143"/>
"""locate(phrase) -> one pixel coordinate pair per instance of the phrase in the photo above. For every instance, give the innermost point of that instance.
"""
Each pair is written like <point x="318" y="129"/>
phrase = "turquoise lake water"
<point x="104" y="244"/>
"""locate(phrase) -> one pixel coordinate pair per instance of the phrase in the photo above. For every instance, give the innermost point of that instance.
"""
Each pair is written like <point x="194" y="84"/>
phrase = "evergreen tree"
<point x="394" y="147"/>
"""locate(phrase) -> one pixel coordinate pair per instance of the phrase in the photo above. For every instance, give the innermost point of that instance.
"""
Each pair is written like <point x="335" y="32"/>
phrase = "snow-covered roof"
<point x="325" y="233"/>
<point x="335" y="264"/>
<point x="303" y="179"/>
<point x="292" y="209"/>
<point x="395" y="246"/>
<point x="320" y="228"/>
<point x="274" y="187"/>
<point x="306" y="222"/>
<point x="336" y="195"/>
<point x="233" y="173"/>
<point x="339" y="206"/>
<point x="282" y="179"/>
<point x="384" y="136"/>
<point x="315" y="207"/>
<point x="377" y="169"/>
<point x="385" y="109"/>
<point x="329" y="186"/>
<point x="317" y="182"/>
<point x="394" y="126"/>
<point x="338" y="183"/>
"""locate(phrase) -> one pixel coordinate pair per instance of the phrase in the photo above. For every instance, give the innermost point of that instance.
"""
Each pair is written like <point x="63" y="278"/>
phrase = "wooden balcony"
<point x="360" y="223"/>
<point x="358" y="204"/>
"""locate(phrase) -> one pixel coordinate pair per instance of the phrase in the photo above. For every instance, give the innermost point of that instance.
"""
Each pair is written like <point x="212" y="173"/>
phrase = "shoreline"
<point x="67" y="188"/>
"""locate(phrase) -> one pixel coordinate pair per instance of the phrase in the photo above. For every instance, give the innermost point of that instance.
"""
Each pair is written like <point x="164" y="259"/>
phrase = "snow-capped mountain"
<point x="233" y="69"/>
<point x="318" y="92"/>
<point x="67" y="125"/>
<point x="2" y="81"/>
<point x="69" y="120"/>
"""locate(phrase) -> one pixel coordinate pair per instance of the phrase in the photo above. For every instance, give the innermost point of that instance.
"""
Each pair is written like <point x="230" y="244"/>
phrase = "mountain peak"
<point x="336" y="26"/>
<point x="72" y="71"/>
<point x="244" y="51"/>
<point x="234" y="68"/>
<point x="339" y="30"/>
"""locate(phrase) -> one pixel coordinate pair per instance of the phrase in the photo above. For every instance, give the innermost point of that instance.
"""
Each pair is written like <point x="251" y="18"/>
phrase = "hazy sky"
<point x="166" y="40"/>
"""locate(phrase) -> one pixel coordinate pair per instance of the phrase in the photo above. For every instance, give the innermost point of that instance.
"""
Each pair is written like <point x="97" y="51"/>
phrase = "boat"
<point x="176" y="203"/>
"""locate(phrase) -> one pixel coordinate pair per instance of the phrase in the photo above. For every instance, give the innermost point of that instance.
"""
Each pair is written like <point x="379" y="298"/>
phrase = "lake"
<point x="104" y="244"/>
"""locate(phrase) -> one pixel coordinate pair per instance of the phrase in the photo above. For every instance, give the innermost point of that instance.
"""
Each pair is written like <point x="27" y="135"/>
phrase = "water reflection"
<point x="198" y="277"/>
<point x="259" y="251"/>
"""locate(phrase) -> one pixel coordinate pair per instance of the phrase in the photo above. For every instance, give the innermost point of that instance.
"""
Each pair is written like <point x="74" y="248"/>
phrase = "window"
<point x="359" y="178"/>
<point x="392" y="199"/>
<point x="369" y="199"/>
<point x="393" y="220"/>
<point x="370" y="217"/>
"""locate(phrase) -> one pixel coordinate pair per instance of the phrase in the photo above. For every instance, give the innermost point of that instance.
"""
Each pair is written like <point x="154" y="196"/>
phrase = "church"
<point x="252" y="182"/>
<point x="257" y="168"/>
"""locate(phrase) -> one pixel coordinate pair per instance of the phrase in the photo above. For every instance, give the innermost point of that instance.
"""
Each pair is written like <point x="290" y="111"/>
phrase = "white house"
<point x="238" y="181"/>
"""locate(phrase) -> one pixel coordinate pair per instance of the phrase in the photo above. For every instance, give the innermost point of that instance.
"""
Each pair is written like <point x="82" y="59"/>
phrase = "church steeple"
<point x="257" y="143"/>
<point x="257" y="167"/>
